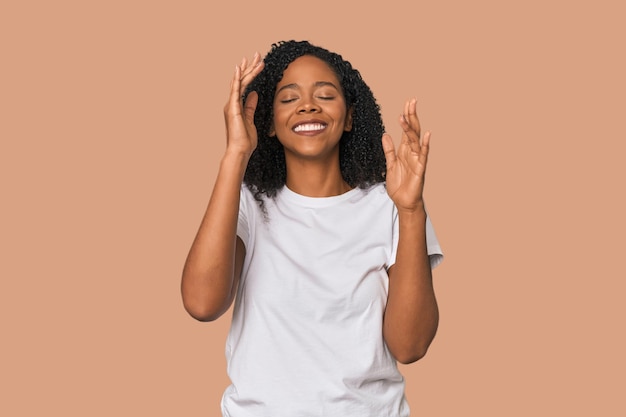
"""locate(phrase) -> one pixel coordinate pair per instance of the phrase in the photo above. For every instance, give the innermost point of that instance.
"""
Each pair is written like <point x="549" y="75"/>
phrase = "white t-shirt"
<point x="306" y="334"/>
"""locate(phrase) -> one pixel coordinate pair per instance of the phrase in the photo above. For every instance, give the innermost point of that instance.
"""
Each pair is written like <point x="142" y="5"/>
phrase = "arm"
<point x="412" y="315"/>
<point x="213" y="265"/>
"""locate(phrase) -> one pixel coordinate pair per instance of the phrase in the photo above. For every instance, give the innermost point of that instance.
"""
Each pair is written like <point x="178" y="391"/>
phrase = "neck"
<point x="315" y="178"/>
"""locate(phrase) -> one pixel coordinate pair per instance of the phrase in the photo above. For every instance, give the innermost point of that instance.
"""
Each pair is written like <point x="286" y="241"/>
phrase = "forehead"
<point x="306" y="70"/>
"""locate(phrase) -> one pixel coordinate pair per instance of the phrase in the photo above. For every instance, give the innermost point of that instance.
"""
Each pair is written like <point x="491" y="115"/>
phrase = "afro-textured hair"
<point x="361" y="156"/>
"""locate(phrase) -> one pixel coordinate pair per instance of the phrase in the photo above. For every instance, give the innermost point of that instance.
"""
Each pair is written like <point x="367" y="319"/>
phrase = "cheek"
<point x="278" y="116"/>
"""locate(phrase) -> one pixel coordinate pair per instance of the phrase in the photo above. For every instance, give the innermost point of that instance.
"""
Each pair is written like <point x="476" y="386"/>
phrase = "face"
<point x="310" y="112"/>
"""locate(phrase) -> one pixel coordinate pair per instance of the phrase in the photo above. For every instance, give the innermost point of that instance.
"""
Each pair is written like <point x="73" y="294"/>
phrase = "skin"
<point x="412" y="315"/>
<point x="310" y="91"/>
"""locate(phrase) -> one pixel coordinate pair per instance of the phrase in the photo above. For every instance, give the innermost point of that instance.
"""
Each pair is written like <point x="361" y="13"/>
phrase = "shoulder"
<point x="375" y="196"/>
<point x="250" y="197"/>
<point x="373" y="192"/>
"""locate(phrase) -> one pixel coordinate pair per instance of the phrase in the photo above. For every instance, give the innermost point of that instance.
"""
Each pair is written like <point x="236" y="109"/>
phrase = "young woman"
<point x="316" y="227"/>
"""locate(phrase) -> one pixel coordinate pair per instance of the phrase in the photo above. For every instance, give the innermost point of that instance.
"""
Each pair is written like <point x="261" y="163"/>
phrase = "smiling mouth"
<point x="309" y="127"/>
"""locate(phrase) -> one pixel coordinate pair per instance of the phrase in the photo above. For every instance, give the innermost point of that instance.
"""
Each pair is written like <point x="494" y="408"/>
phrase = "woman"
<point x="326" y="248"/>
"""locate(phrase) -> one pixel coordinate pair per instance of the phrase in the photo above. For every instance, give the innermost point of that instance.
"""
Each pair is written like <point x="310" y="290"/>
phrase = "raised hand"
<point x="241" y="133"/>
<point x="406" y="167"/>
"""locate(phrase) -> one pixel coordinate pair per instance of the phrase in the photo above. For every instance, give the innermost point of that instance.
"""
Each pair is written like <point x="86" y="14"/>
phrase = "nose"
<point x="308" y="106"/>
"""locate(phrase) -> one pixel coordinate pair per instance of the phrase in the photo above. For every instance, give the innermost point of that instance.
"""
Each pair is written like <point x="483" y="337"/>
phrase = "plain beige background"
<point x="111" y="129"/>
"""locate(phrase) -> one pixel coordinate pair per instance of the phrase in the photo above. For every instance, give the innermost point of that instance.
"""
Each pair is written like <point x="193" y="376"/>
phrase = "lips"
<point x="309" y="126"/>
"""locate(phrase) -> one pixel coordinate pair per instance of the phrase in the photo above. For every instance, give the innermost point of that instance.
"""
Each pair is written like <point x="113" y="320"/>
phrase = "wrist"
<point x="416" y="214"/>
<point x="234" y="162"/>
<point x="236" y="156"/>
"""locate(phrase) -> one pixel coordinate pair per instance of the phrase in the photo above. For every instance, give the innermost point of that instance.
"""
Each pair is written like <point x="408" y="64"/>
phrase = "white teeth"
<point x="308" y="127"/>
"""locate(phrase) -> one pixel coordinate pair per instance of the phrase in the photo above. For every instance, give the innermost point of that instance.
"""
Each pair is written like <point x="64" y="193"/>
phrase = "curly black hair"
<point x="361" y="156"/>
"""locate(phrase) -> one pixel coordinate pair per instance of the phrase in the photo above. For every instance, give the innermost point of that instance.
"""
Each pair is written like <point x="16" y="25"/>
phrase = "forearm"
<point x="412" y="315"/>
<point x="209" y="280"/>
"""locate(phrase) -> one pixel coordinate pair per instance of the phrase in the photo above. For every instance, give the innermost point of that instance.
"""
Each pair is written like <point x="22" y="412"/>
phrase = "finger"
<point x="245" y="67"/>
<point x="412" y="116"/>
<point x="389" y="149"/>
<point x="424" y="149"/>
<point x="255" y="61"/>
<point x="250" y="73"/>
<point x="234" y="104"/>
<point x="410" y="139"/>
<point x="248" y="69"/>
<point x="406" y="110"/>
<point x="250" y="107"/>
<point x="408" y="122"/>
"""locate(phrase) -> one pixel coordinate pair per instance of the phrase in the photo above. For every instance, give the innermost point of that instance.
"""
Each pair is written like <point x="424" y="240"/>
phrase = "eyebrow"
<point x="317" y="84"/>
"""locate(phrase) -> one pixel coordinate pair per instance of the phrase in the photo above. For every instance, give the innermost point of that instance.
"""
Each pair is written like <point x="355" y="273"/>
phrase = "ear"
<point x="348" y="124"/>
<point x="272" y="131"/>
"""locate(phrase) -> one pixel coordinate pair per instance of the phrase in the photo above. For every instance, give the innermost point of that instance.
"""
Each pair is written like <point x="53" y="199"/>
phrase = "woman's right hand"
<point x="241" y="133"/>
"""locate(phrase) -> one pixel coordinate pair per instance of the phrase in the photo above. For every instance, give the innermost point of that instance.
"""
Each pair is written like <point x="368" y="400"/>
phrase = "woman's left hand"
<point x="406" y="167"/>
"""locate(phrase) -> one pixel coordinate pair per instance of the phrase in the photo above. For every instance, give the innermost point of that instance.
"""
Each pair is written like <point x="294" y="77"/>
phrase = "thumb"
<point x="389" y="149"/>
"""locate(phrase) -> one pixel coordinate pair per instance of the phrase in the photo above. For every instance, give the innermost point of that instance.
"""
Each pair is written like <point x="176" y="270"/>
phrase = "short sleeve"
<point x="432" y="244"/>
<point x="433" y="248"/>
<point x="243" y="228"/>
